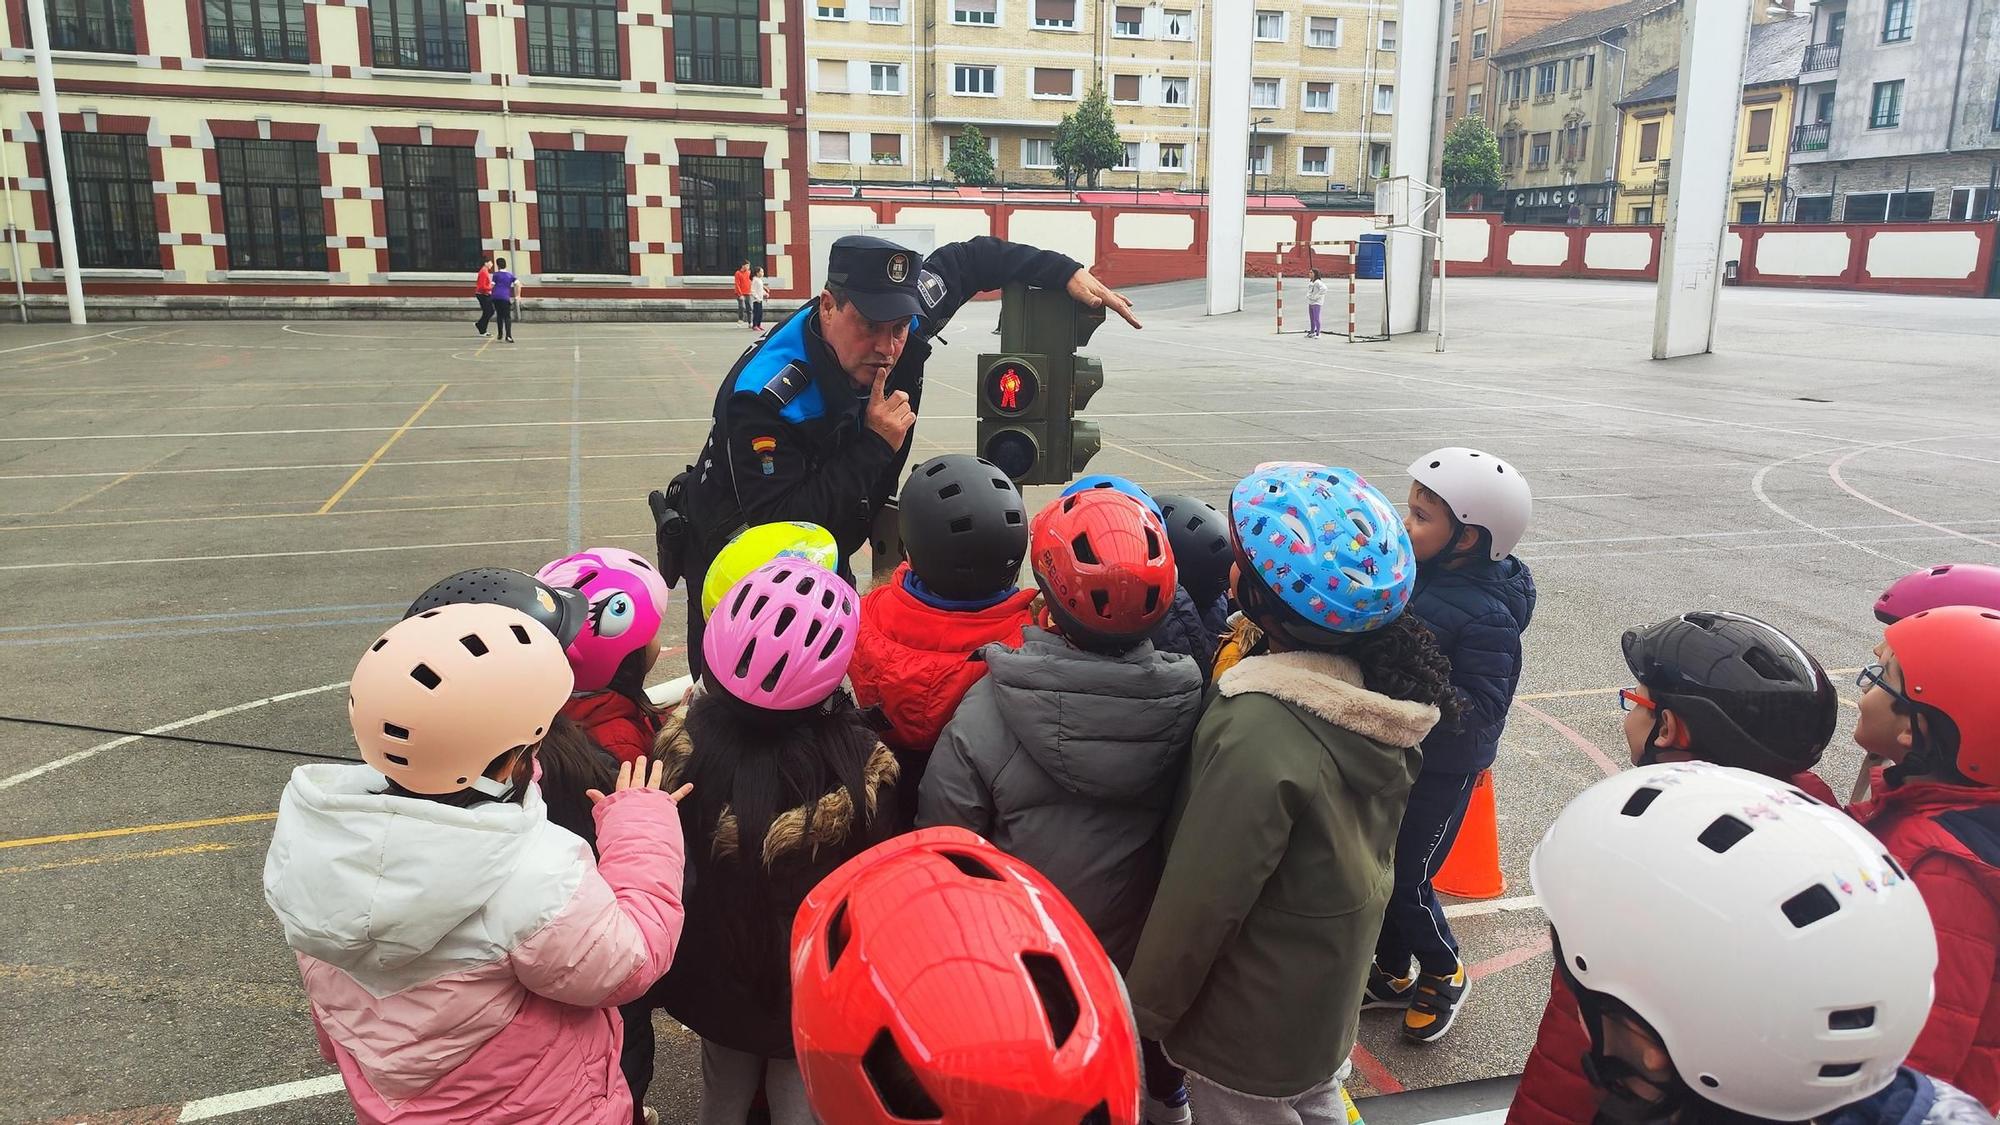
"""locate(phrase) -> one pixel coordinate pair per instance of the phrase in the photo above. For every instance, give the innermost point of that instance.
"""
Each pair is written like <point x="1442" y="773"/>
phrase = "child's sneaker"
<point x="1385" y="991"/>
<point x="1172" y="1111"/>
<point x="1434" y="1005"/>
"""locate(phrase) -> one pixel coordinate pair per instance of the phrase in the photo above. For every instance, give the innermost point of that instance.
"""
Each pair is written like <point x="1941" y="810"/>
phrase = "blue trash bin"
<point x="1371" y="256"/>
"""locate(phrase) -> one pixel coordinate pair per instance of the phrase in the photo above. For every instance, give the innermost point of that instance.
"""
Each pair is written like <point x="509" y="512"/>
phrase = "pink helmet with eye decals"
<point x="628" y="601"/>
<point x="781" y="639"/>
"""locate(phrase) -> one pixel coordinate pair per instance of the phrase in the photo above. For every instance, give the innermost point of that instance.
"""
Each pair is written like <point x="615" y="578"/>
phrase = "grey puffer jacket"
<point x="1913" y="1099"/>
<point x="1067" y="760"/>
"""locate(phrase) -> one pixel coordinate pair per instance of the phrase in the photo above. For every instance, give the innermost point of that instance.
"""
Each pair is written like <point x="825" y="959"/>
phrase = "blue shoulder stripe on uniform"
<point x="784" y="347"/>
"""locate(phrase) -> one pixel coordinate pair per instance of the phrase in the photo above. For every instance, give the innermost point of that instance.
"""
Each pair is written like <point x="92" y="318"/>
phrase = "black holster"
<point x="673" y="529"/>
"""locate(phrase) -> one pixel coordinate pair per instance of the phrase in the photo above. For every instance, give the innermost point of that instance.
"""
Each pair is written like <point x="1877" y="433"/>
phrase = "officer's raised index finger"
<point x="881" y="383"/>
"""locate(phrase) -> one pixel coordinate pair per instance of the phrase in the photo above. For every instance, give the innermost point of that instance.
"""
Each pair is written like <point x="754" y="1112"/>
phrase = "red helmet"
<point x="935" y="978"/>
<point x="1948" y="656"/>
<point x="1104" y="564"/>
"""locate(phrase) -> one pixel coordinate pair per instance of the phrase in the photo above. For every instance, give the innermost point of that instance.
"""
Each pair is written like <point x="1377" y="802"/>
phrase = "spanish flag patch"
<point x="763" y="444"/>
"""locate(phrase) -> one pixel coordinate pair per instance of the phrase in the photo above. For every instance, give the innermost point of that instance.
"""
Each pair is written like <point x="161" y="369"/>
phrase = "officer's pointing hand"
<point x="1085" y="289"/>
<point x="889" y="415"/>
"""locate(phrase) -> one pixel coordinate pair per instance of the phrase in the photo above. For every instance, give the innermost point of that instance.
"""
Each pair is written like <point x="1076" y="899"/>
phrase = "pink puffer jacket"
<point x="464" y="964"/>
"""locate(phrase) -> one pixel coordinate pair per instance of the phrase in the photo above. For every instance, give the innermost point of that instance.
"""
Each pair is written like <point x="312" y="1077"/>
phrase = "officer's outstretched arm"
<point x="775" y="480"/>
<point x="957" y="272"/>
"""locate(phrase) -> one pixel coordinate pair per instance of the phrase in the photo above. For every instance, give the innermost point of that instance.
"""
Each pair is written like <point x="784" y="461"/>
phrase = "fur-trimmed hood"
<point x="1329" y="686"/>
<point x="791" y="832"/>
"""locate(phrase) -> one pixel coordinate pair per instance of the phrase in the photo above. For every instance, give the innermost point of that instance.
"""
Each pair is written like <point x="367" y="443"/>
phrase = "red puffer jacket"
<point x="615" y="722"/>
<point x="1553" y="1089"/>
<point x="914" y="661"/>
<point x="1948" y="838"/>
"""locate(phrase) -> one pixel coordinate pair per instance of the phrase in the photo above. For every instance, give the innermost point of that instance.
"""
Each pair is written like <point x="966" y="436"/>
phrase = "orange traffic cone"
<point x="1472" y="870"/>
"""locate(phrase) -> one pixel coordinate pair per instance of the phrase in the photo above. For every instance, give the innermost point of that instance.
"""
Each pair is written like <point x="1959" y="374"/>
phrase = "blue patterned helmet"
<point x="1319" y="550"/>
<point x="1115" y="484"/>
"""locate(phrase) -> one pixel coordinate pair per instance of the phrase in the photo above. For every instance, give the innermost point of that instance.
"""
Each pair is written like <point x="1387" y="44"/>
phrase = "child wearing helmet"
<point x="1931" y="709"/>
<point x="1715" y="687"/>
<point x="1930" y="588"/>
<point x="1705" y="917"/>
<point x="462" y="955"/>
<point x="1202" y="558"/>
<point x="1278" y="860"/>
<point x="616" y="648"/>
<point x="790" y="782"/>
<point x="1185" y="628"/>
<point x="1467" y="512"/>
<point x="965" y="532"/>
<point x="929" y="974"/>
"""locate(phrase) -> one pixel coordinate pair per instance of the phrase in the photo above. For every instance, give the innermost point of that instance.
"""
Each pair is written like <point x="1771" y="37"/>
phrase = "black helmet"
<point x="1202" y="550"/>
<point x="965" y="529"/>
<point x="1750" y="696"/>
<point x="561" y="609"/>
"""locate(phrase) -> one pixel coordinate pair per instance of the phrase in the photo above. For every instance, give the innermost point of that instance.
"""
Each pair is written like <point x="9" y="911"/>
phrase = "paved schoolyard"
<point x="202" y="524"/>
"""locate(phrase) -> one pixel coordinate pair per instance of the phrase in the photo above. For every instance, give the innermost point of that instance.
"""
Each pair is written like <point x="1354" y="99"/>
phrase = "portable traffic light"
<point x="1030" y="391"/>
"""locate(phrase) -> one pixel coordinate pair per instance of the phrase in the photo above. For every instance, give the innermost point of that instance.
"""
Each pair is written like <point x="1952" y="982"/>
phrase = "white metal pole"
<point x="13" y="238"/>
<point x="1228" y="152"/>
<point x="1706" y="109"/>
<point x="45" y="81"/>
<point x="1413" y="132"/>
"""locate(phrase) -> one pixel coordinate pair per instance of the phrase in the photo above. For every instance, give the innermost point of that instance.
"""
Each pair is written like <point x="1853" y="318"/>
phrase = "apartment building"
<point x="892" y="85"/>
<point x="332" y="152"/>
<point x="1478" y="30"/>
<point x="1899" y="116"/>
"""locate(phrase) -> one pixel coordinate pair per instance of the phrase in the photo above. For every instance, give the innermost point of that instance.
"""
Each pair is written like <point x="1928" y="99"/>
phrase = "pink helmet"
<point x="443" y="693"/>
<point x="781" y="638"/>
<point x="628" y="600"/>
<point x="1973" y="584"/>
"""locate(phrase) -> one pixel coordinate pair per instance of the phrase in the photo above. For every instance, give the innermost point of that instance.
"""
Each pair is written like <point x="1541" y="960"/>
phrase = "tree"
<point x="1087" y="140"/>
<point x="1471" y="161"/>
<point x="971" y="162"/>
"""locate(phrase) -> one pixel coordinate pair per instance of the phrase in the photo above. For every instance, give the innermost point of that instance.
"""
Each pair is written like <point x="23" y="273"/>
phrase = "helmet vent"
<point x="521" y="635"/>
<point x="428" y="613"/>
<point x="1893" y="865"/>
<point x="377" y="646"/>
<point x="1098" y="1116"/>
<point x="786" y="616"/>
<point x="742" y="594"/>
<point x="1003" y="484"/>
<point x="1058" y="998"/>
<point x="1723" y="833"/>
<point x="1081" y="546"/>
<point x="422" y="674"/>
<point x="743" y="659"/>
<point x="1840" y="1070"/>
<point x="832" y="643"/>
<point x="950" y="490"/>
<point x="934" y="468"/>
<point x="1013" y="517"/>
<point x="391" y="730"/>
<point x="812" y="632"/>
<point x="1851" y="1019"/>
<point x="1100" y="600"/>
<point x="826" y="598"/>
<point x="1639" y="801"/>
<point x="398" y="759"/>
<point x="972" y="866"/>
<point x="1810" y="905"/>
<point x="473" y="644"/>
<point x="1808" y="798"/>
<point x="895" y="1083"/>
<point x="642" y="564"/>
<point x="770" y="682"/>
<point x="961" y="525"/>
<point x="1152" y="598"/>
<point x="1152" y="544"/>
<point x="837" y="935"/>
<point x="1766" y="665"/>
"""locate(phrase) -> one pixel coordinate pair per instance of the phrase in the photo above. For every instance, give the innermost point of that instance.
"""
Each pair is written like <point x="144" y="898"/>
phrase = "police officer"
<point x="814" y="421"/>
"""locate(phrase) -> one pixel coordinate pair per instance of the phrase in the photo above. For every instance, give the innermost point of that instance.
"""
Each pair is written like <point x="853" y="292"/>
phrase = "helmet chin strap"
<point x="498" y="790"/>
<point x="1649" y="754"/>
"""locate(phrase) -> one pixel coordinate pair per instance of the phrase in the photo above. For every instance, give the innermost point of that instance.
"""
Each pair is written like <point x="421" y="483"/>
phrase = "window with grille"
<point x="1178" y="24"/>
<point x="91" y="25"/>
<point x="1319" y="96"/>
<point x="580" y="199"/>
<point x="1174" y="91"/>
<point x="1125" y="88"/>
<point x="1887" y="105"/>
<point x="985" y="12"/>
<point x="419" y="34"/>
<point x="430" y="197"/>
<point x="1313" y="160"/>
<point x="834" y="148"/>
<point x="716" y="43"/>
<point x="885" y="78"/>
<point x="271" y="207"/>
<point x="722" y="213"/>
<point x="885" y="148"/>
<point x="111" y="201"/>
<point x="263" y="30"/>
<point x="1263" y="93"/>
<point x="1128" y="21"/>
<point x="1055" y="13"/>
<point x="1899" y="20"/>
<point x="1173" y="157"/>
<point x="1323" y="31"/>
<point x="1270" y="26"/>
<point x="573" y="38"/>
<point x="975" y="80"/>
<point x="1038" y="152"/>
<point x="1051" y="82"/>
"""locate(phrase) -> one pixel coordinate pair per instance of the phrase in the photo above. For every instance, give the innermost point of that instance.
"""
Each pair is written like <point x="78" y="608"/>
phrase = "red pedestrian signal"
<point x="1011" y="385"/>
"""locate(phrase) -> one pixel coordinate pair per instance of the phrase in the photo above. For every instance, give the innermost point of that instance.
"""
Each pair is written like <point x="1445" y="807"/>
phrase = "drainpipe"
<point x="1617" y="134"/>
<point x="13" y="239"/>
<point x="45" y="80"/>
<point x="507" y="139"/>
<point x="1958" y="82"/>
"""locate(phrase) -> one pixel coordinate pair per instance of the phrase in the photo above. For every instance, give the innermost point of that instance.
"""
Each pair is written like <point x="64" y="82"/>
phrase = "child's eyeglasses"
<point x="1629" y="698"/>
<point x="1876" y="676"/>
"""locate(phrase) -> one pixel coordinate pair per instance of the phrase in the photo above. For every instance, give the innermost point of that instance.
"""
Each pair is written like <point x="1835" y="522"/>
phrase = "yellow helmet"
<point x="759" y="545"/>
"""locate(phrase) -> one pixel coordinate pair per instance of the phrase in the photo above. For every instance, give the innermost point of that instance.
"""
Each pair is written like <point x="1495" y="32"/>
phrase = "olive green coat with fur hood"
<point x="1279" y="865"/>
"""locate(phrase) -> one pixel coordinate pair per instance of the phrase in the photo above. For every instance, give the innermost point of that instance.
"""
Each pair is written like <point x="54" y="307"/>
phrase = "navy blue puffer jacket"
<point x="1478" y="614"/>
<point x="1193" y="630"/>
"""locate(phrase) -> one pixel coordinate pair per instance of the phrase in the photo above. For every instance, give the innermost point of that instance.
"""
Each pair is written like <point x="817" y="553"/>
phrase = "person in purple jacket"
<point x="506" y="292"/>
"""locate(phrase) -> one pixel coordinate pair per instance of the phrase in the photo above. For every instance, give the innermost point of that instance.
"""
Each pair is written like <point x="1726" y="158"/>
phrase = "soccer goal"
<point x="1407" y="205"/>
<point x="1337" y="260"/>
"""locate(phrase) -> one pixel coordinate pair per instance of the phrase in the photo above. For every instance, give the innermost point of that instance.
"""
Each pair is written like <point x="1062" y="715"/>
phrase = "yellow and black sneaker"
<point x="1434" y="1005"/>
<point x="1385" y="991"/>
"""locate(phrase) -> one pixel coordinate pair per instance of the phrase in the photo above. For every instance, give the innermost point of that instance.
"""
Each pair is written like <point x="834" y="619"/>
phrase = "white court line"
<point x="704" y="419"/>
<point x="341" y="465"/>
<point x="201" y="1109"/>
<point x="1727" y="534"/>
<point x="271" y="555"/>
<point x="80" y="755"/>
<point x="1757" y="490"/>
<point x="69" y="340"/>
<point x="1493" y="906"/>
<point x="1490" y="1117"/>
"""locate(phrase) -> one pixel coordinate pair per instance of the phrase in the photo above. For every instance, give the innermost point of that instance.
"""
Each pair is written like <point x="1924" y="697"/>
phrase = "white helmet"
<point x="1482" y="490"/>
<point x="1781" y="955"/>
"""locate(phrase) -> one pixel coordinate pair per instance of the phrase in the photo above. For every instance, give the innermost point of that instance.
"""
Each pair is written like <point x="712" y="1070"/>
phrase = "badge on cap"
<point x="899" y="268"/>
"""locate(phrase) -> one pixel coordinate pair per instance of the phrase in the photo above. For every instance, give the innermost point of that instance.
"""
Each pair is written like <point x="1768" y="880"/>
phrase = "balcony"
<point x="1811" y="138"/>
<point x="718" y="70"/>
<point x="1821" y="56"/>
<point x="560" y="60"/>
<point x="257" y="44"/>
<point x="427" y="52"/>
<point x="90" y="33"/>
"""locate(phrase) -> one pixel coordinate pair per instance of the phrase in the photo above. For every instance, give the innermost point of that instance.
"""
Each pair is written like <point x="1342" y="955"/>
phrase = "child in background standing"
<point x="1467" y="512"/>
<point x="506" y="291"/>
<point x="743" y="292"/>
<point x="617" y="648"/>
<point x="760" y="291"/>
<point x="790" y="784"/>
<point x="1315" y="301"/>
<point x="482" y="289"/>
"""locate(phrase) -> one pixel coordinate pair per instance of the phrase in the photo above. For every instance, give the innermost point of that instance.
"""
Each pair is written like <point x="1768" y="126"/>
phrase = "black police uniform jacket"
<point x="789" y="441"/>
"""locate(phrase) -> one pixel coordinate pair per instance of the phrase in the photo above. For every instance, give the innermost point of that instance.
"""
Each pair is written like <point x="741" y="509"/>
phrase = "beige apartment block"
<point x="892" y="84"/>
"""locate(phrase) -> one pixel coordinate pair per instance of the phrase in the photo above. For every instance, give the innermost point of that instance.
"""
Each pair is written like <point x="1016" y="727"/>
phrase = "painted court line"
<point x="1493" y="906"/>
<point x="575" y="448"/>
<point x="122" y="857"/>
<point x="268" y="555"/>
<point x="201" y="1109"/>
<point x="377" y="455"/>
<point x="67" y="340"/>
<point x="1588" y="747"/>
<point x="234" y="615"/>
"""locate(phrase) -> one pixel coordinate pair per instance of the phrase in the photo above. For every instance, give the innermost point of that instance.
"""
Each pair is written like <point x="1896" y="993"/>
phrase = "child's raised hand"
<point x="631" y="777"/>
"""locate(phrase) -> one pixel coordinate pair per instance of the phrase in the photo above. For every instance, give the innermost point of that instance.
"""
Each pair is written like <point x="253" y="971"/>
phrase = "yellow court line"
<point x="137" y="829"/>
<point x="483" y="347"/>
<point x="370" y="463"/>
<point x="92" y="861"/>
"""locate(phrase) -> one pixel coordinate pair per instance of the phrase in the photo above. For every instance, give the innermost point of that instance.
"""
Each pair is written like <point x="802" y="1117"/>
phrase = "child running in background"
<point x="1931" y="708"/>
<point x="1067" y="753"/>
<point x="790" y="782"/>
<point x="1251" y="967"/>
<point x="617" y="647"/>
<point x="1715" y="687"/>
<point x="1315" y="302"/>
<point x="1742" y="954"/>
<point x="1467" y="512"/>
<point x="460" y="952"/>
<point x="965" y="532"/>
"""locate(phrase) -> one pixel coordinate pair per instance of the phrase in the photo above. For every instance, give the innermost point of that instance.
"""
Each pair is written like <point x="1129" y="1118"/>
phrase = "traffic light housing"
<point x="1030" y="390"/>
